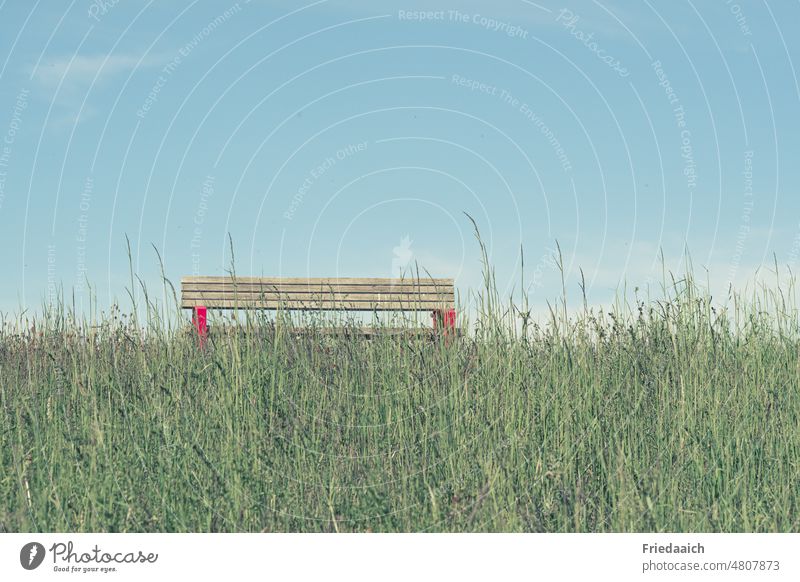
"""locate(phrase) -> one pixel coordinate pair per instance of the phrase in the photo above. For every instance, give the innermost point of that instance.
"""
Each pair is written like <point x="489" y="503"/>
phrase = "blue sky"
<point x="348" y="138"/>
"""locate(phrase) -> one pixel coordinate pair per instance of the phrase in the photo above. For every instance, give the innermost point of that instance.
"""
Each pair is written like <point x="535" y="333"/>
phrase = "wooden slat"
<point x="353" y="297"/>
<point x="209" y="295"/>
<point x="254" y="288"/>
<point x="356" y="294"/>
<point x="317" y="281"/>
<point x="312" y="302"/>
<point x="319" y="305"/>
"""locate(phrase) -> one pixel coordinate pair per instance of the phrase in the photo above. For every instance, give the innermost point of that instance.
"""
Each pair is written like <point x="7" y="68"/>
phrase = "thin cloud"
<point x="79" y="70"/>
<point x="69" y="77"/>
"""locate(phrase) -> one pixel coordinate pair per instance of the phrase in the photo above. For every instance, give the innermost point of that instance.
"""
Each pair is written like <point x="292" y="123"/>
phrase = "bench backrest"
<point x="318" y="294"/>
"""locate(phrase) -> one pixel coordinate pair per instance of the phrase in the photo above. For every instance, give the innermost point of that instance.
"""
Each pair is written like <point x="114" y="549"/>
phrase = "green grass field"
<point x="661" y="415"/>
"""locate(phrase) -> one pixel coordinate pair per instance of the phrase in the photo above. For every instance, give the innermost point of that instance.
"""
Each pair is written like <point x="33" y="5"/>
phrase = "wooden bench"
<point x="338" y="294"/>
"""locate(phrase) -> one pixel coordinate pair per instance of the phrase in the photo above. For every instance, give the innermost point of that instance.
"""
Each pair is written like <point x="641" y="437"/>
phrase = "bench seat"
<point x="319" y="294"/>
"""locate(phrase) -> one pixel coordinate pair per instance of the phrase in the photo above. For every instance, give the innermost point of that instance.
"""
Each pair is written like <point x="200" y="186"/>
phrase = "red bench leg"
<point x="444" y="319"/>
<point x="200" y="322"/>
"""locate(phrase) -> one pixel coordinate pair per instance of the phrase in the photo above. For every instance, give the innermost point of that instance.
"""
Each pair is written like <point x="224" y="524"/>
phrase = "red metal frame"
<point x="200" y="322"/>
<point x="444" y="319"/>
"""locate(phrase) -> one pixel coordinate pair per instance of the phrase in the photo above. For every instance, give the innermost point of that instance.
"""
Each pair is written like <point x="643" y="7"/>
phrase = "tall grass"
<point x="670" y="414"/>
